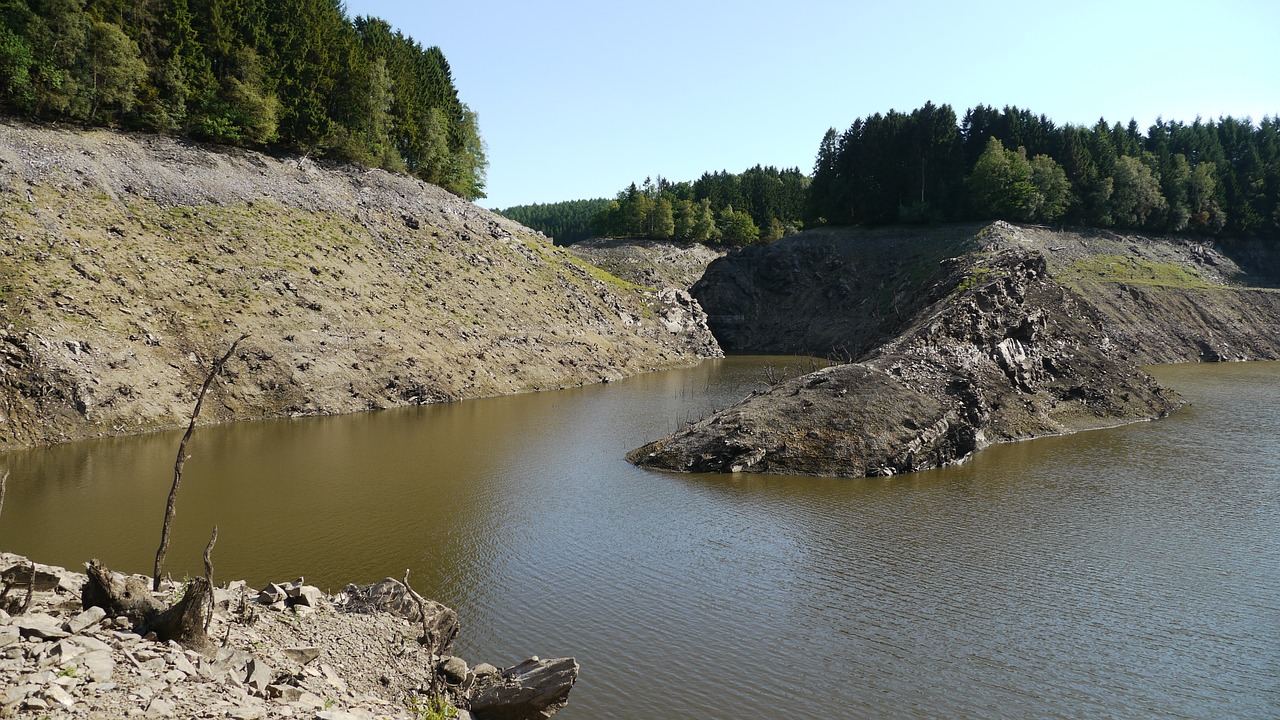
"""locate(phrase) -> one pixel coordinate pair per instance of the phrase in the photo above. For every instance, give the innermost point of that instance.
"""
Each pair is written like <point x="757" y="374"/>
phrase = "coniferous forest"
<point x="761" y="204"/>
<point x="1218" y="177"/>
<point x="296" y="75"/>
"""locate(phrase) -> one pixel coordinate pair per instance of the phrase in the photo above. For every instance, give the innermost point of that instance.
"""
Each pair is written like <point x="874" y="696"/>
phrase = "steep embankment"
<point x="651" y="263"/>
<point x="130" y="261"/>
<point x="1025" y="332"/>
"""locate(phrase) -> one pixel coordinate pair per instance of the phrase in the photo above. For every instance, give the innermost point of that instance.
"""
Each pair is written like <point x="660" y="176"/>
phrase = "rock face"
<point x="128" y="262"/>
<point x="1004" y="353"/>
<point x="826" y="292"/>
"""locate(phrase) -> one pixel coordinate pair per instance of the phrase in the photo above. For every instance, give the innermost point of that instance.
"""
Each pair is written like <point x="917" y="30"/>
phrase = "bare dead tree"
<point x="171" y="506"/>
<point x="208" y="574"/>
<point x="422" y="610"/>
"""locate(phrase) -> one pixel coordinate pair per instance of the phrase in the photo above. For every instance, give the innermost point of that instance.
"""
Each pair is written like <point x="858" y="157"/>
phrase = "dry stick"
<point x="208" y="575"/>
<point x="433" y="686"/>
<point x="422" y="611"/>
<point x="171" y="506"/>
<point x="4" y="481"/>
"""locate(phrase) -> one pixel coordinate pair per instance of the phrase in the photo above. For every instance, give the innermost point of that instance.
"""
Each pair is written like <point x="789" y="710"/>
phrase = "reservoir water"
<point x="1125" y="573"/>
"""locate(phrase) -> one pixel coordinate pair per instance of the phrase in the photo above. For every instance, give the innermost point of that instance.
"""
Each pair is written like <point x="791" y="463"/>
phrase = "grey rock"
<point x="302" y="655"/>
<point x="533" y="690"/>
<point x="85" y="620"/>
<point x="272" y="594"/>
<point x="57" y="694"/>
<point x="88" y="642"/>
<point x="19" y="575"/>
<point x="454" y="670"/>
<point x="65" y="650"/>
<point x="99" y="665"/>
<point x="39" y="625"/>
<point x="234" y="659"/>
<point x="9" y="635"/>
<point x="161" y="708"/>
<point x="484" y="669"/>
<point x="286" y="693"/>
<point x="258" y="676"/>
<point x="308" y="701"/>
<point x="308" y="595"/>
<point x="16" y="693"/>
<point x="182" y="664"/>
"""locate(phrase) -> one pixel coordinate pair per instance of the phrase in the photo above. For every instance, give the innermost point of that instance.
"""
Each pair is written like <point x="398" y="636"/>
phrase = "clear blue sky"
<point x="578" y="99"/>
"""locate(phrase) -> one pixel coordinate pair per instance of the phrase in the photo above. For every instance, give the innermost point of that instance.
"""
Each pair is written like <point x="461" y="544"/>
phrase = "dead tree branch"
<point x="4" y="482"/>
<point x="171" y="506"/>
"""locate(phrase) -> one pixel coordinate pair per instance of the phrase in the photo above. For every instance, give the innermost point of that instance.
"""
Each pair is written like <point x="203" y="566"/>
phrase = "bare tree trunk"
<point x="208" y="575"/>
<point x="171" y="506"/>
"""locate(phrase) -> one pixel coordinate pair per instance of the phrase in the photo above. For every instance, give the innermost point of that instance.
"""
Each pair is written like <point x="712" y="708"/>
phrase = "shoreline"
<point x="286" y="651"/>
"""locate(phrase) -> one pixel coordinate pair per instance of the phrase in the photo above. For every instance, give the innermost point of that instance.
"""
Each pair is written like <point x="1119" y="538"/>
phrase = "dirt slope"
<point x="130" y="261"/>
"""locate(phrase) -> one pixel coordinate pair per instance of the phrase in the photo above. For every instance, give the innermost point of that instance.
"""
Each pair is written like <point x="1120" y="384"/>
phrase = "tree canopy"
<point x="291" y="74"/>
<point x="1215" y="177"/>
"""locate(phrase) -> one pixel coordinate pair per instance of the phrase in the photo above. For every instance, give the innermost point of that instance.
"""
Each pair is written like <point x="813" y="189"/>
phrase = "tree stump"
<point x="183" y="622"/>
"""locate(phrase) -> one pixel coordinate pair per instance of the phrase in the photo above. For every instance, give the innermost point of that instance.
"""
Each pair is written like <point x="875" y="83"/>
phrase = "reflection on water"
<point x="1127" y="573"/>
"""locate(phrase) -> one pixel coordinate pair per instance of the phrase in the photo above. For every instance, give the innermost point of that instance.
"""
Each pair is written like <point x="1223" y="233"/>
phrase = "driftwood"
<point x="183" y="622"/>
<point x="172" y="505"/>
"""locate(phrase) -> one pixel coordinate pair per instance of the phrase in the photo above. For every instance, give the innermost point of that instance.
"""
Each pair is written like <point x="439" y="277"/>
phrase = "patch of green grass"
<point x="1135" y="270"/>
<point x="434" y="707"/>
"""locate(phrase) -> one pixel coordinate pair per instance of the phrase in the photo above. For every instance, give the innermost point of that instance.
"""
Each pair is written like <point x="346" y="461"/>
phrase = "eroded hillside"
<point x="129" y="262"/>
<point x="1022" y="332"/>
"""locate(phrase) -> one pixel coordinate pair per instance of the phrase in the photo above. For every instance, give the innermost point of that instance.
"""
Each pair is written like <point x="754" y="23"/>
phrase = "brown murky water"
<point x="1128" y="573"/>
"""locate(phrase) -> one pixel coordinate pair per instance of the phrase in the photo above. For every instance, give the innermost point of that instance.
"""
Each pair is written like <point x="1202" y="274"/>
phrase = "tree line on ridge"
<point x="297" y="75"/>
<point x="1218" y="177"/>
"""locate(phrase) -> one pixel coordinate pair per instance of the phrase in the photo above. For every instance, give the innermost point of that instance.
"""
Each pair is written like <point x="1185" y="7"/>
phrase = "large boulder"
<point x="533" y="690"/>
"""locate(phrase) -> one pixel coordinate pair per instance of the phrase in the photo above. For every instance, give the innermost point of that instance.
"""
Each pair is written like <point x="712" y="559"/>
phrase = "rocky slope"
<point x="286" y="651"/>
<point x="1014" y="333"/>
<point x="129" y="262"/>
<point x="651" y="263"/>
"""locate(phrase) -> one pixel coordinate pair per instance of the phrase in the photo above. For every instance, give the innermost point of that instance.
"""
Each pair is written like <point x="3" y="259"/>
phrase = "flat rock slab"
<point x="39" y="625"/>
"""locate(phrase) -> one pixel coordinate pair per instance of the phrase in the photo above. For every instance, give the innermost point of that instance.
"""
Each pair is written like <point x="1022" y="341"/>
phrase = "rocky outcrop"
<point x="128" y="262"/>
<point x="284" y="652"/>
<point x="1003" y="353"/>
<point x="533" y="690"/>
<point x="826" y="292"/>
